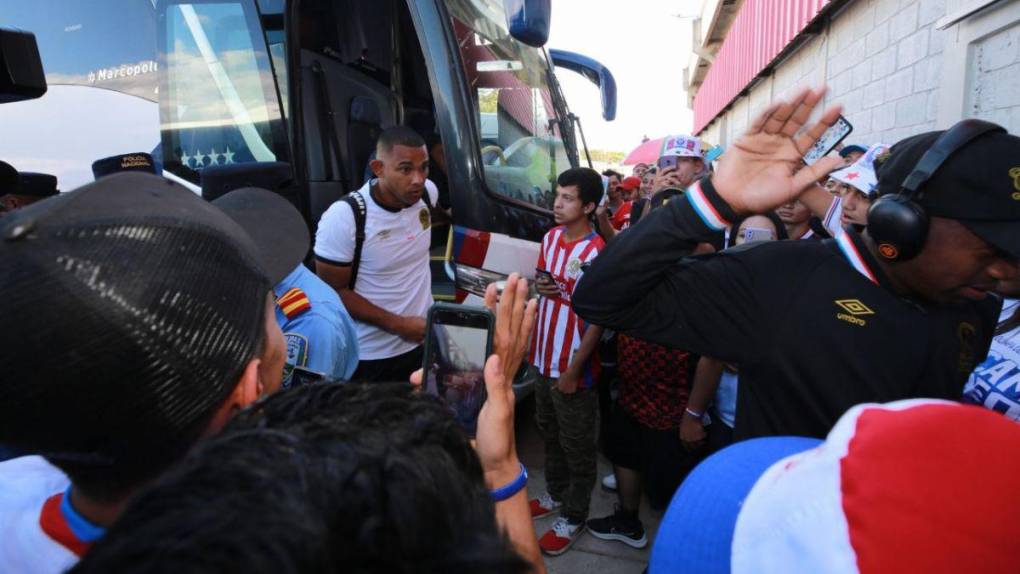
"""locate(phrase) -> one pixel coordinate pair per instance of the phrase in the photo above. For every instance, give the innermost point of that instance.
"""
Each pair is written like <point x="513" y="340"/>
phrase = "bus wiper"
<point x="259" y="150"/>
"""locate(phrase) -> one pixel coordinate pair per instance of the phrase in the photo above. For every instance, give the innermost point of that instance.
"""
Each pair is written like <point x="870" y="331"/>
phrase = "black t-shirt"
<point x="814" y="326"/>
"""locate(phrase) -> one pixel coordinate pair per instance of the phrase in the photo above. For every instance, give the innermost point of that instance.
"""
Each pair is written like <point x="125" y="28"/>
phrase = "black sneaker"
<point x="621" y="527"/>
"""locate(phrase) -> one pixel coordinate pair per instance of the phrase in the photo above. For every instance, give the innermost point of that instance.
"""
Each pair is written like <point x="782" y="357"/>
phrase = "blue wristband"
<point x="504" y="492"/>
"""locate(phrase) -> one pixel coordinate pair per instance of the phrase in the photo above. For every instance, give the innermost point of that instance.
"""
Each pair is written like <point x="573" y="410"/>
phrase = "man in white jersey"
<point x="387" y="286"/>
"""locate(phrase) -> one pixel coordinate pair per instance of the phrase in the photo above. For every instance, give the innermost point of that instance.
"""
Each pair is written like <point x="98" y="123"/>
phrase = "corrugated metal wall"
<point x="759" y="33"/>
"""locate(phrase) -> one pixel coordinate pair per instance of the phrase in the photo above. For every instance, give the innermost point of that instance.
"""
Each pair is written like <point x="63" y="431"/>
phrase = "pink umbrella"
<point x="648" y="152"/>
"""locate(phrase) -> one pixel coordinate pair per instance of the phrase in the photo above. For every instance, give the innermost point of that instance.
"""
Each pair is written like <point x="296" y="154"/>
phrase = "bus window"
<point x="103" y="75"/>
<point x="220" y="105"/>
<point x="112" y="89"/>
<point x="272" y="15"/>
<point x="522" y="150"/>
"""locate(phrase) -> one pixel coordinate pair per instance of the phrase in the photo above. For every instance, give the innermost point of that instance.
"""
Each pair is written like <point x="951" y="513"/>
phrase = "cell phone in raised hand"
<point x="667" y="161"/>
<point x="458" y="341"/>
<point x="829" y="140"/>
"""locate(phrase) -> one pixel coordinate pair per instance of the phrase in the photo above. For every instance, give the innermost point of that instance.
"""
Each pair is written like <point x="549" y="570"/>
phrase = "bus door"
<point x="501" y="133"/>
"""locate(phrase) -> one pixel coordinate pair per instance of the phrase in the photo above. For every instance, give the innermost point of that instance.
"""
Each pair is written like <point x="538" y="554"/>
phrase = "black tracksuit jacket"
<point x="813" y="335"/>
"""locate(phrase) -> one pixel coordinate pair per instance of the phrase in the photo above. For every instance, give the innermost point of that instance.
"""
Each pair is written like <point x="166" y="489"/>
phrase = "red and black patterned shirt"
<point x="654" y="384"/>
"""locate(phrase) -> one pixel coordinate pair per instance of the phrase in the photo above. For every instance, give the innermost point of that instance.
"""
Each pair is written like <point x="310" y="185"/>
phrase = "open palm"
<point x="763" y="169"/>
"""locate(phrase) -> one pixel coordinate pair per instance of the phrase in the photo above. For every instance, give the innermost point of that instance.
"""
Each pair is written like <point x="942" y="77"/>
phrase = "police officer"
<point x="817" y="327"/>
<point x="320" y="334"/>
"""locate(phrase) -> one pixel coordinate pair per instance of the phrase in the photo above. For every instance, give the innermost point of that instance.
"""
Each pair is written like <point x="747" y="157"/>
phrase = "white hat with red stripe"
<point x="910" y="486"/>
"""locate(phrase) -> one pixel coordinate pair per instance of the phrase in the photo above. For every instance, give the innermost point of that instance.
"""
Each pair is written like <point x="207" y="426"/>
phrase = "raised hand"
<point x="515" y="318"/>
<point x="763" y="169"/>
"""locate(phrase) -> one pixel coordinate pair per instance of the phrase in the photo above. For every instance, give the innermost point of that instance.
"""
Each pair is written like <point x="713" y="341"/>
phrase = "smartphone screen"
<point x="667" y="161"/>
<point x="758" y="234"/>
<point x="829" y="140"/>
<point x="458" y="342"/>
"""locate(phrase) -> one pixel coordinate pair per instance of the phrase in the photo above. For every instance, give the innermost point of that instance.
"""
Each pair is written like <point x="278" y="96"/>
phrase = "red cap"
<point x="630" y="183"/>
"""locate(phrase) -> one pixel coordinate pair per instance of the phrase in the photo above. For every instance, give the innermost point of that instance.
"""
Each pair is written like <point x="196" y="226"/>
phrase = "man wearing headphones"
<point x="901" y="310"/>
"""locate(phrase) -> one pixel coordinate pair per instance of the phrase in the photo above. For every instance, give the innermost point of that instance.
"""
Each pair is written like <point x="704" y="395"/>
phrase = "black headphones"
<point x="896" y="222"/>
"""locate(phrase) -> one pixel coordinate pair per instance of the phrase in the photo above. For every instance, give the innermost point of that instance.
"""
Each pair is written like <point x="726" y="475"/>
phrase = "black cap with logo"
<point x="138" y="161"/>
<point x="978" y="185"/>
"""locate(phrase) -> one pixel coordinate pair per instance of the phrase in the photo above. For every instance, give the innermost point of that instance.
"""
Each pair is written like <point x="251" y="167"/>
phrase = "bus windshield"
<point x="189" y="83"/>
<point x="522" y="149"/>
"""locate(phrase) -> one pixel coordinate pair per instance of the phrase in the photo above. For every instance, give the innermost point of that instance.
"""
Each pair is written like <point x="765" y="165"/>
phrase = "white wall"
<point x="896" y="75"/>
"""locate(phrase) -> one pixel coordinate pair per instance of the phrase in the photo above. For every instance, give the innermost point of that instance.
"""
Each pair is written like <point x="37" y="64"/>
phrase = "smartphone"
<point x="301" y="376"/>
<point x="458" y="340"/>
<point x="667" y="161"/>
<point x="758" y="234"/>
<point x="829" y="140"/>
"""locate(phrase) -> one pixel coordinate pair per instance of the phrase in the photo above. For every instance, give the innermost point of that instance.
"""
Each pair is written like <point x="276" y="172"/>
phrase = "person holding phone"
<point x="715" y="382"/>
<point x="678" y="166"/>
<point x="795" y="314"/>
<point x="849" y="192"/>
<point x="563" y="353"/>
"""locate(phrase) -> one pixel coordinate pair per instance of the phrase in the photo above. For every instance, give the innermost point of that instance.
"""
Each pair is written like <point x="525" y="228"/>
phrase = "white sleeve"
<point x="433" y="191"/>
<point x="334" y="238"/>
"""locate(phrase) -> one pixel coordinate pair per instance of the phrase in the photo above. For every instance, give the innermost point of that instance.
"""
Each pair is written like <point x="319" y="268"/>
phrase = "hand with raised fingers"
<point x="763" y="169"/>
<point x="494" y="442"/>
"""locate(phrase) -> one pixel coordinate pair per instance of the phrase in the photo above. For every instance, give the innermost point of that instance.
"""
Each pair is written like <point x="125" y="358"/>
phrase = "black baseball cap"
<point x="852" y="148"/>
<point x="41" y="185"/>
<point x="138" y="161"/>
<point x="978" y="185"/>
<point x="10" y="181"/>
<point x="275" y="226"/>
<point x="131" y="307"/>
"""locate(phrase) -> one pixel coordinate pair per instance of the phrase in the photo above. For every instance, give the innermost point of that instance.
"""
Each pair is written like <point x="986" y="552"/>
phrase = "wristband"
<point x="504" y="492"/>
<point x="694" y="414"/>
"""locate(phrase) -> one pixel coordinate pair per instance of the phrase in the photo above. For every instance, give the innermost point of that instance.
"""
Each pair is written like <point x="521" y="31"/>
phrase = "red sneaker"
<point x="559" y="538"/>
<point x="544" y="506"/>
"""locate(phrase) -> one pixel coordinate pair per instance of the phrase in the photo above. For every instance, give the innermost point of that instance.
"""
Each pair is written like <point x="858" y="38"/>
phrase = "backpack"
<point x="360" y="210"/>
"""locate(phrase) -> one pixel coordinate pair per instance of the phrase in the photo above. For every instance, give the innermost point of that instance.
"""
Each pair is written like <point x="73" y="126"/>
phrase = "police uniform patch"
<point x="424" y="218"/>
<point x="297" y="355"/>
<point x="293" y="303"/>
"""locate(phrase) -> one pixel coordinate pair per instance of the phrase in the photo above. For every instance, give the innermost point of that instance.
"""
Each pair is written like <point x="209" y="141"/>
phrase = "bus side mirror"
<point x="21" y="70"/>
<point x="595" y="72"/>
<point x="528" y="20"/>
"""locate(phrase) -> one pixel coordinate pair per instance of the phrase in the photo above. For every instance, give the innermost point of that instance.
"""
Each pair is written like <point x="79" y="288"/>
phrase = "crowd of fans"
<point x="806" y="367"/>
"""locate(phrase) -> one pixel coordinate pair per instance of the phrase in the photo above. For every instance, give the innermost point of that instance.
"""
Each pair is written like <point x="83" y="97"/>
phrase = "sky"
<point x="646" y="47"/>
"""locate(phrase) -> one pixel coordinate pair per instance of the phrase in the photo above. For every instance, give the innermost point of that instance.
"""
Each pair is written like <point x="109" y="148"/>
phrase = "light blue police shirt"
<point x="323" y="338"/>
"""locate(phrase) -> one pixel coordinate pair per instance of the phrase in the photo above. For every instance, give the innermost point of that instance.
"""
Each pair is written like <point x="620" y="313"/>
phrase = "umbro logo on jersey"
<point x="854" y="310"/>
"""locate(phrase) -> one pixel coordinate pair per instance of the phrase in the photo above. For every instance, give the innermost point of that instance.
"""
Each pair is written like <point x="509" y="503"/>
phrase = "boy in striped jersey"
<point x="563" y="352"/>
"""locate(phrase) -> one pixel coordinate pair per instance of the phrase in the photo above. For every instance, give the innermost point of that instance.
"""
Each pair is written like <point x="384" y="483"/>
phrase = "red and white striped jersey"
<point x="558" y="330"/>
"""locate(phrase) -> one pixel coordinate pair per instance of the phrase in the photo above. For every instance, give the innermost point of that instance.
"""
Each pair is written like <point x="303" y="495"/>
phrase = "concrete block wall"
<point x="883" y="61"/>
<point x="886" y="71"/>
<point x="995" y="92"/>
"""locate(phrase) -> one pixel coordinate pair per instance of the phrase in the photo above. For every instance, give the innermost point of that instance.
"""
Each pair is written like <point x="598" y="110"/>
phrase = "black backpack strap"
<point x="428" y="200"/>
<point x="357" y="203"/>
